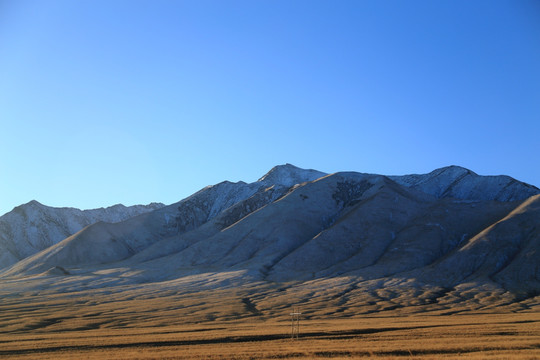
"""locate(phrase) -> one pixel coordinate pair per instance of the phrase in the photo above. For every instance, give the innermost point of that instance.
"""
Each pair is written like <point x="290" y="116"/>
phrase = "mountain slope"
<point x="32" y="227"/>
<point x="506" y="251"/>
<point x="113" y="242"/>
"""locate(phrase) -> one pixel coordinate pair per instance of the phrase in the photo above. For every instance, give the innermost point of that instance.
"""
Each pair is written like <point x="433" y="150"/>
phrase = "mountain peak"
<point x="461" y="183"/>
<point x="453" y="171"/>
<point x="289" y="175"/>
<point x="33" y="203"/>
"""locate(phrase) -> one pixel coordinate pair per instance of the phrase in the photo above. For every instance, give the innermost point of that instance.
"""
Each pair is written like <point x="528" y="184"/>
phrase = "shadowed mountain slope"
<point x="507" y="251"/>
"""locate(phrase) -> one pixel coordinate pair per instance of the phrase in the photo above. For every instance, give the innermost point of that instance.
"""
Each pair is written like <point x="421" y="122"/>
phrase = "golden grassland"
<point x="254" y="323"/>
<point x="474" y="336"/>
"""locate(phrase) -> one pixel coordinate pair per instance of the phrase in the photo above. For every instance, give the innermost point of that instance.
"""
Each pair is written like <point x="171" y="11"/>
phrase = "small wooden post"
<point x="295" y="323"/>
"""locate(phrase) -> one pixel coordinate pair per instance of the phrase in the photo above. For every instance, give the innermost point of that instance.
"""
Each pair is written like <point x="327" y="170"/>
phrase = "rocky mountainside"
<point x="32" y="227"/>
<point x="361" y="242"/>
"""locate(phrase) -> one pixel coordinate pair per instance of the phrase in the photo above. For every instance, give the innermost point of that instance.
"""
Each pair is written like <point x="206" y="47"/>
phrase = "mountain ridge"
<point x="32" y="227"/>
<point x="465" y="184"/>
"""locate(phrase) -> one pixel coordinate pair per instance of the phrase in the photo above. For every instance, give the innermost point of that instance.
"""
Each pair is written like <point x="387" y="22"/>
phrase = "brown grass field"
<point x="143" y="322"/>
<point x="476" y="336"/>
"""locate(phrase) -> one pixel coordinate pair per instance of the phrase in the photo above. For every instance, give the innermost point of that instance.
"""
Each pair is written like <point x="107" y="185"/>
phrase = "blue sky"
<point x="105" y="102"/>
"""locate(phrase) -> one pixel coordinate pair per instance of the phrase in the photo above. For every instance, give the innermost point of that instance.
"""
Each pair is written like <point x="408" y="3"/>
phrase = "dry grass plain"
<point x="474" y="336"/>
<point x="176" y="321"/>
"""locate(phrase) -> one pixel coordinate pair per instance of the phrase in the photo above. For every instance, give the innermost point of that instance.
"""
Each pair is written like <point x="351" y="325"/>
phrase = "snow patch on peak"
<point x="461" y="183"/>
<point x="289" y="175"/>
<point x="446" y="174"/>
<point x="453" y="170"/>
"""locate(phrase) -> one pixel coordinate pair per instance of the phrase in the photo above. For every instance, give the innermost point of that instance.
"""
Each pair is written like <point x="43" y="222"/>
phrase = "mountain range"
<point x="448" y="240"/>
<point x="32" y="227"/>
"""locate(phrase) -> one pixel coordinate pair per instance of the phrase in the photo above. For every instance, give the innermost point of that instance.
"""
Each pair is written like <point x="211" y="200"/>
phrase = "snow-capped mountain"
<point x="289" y="175"/>
<point x="32" y="227"/>
<point x="106" y="242"/>
<point x="450" y="236"/>
<point x="460" y="183"/>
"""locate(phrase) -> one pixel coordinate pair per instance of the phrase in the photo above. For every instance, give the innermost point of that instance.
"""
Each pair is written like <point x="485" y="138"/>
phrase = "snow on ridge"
<point x="461" y="183"/>
<point x="22" y="235"/>
<point x="32" y="227"/>
<point x="289" y="175"/>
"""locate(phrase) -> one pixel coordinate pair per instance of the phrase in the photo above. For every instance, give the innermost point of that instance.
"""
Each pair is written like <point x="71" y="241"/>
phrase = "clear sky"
<point x="111" y="101"/>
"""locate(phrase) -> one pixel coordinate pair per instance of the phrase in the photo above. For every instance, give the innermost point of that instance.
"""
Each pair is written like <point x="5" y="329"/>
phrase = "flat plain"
<point x="50" y="330"/>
